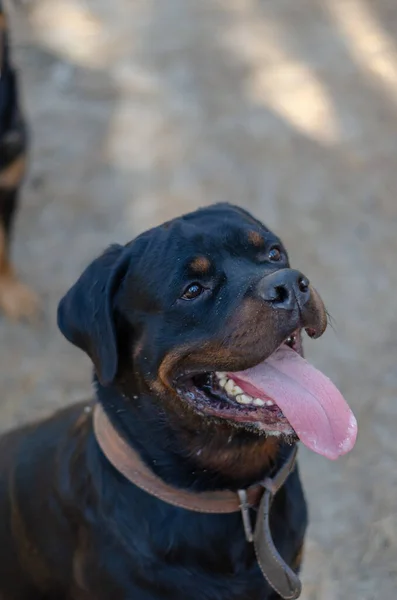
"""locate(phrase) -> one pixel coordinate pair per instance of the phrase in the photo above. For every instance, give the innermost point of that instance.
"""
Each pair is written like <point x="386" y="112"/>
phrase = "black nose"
<point x="285" y="288"/>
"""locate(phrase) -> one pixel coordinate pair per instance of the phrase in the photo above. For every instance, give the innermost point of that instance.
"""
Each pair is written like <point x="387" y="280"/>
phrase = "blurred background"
<point x="141" y="110"/>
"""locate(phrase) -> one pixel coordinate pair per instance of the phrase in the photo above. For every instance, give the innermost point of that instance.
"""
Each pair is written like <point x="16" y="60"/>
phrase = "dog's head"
<point x="205" y="314"/>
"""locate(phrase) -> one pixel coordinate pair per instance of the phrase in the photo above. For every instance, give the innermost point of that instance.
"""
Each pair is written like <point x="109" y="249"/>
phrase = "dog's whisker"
<point x="331" y="321"/>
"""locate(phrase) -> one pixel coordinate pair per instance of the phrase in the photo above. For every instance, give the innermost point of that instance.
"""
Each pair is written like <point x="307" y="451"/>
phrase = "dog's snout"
<point x="285" y="288"/>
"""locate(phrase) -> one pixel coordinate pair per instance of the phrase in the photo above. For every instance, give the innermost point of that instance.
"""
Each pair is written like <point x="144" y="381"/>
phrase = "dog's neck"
<point x="192" y="454"/>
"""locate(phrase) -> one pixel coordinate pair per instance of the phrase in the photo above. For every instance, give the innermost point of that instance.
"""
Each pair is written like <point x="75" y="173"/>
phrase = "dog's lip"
<point x="311" y="318"/>
<point x="187" y="373"/>
<point x="251" y="415"/>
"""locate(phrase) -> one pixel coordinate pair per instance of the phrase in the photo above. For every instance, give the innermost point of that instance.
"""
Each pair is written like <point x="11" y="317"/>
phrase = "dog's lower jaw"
<point x="189" y="451"/>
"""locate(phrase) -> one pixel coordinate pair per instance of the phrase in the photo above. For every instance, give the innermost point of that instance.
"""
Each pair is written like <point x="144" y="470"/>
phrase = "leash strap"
<point x="274" y="569"/>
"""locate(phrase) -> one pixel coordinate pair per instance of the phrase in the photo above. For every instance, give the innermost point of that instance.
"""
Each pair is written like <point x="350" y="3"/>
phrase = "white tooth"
<point x="229" y="386"/>
<point x="222" y="382"/>
<point x="259" y="402"/>
<point x="237" y="390"/>
<point x="244" y="399"/>
<point x="269" y="403"/>
<point x="221" y="374"/>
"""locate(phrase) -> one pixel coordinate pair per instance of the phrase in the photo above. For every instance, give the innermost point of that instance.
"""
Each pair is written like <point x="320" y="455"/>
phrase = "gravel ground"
<point x="143" y="110"/>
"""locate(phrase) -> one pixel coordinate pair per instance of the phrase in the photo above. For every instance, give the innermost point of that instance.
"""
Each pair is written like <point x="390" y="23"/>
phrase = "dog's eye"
<point x="194" y="290"/>
<point x="275" y="254"/>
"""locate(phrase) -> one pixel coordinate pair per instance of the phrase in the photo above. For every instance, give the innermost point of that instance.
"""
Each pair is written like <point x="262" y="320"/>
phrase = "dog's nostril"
<point x="303" y="284"/>
<point x="281" y="293"/>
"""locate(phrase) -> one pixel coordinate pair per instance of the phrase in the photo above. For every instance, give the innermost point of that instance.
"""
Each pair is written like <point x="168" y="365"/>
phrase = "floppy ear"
<point x="85" y="313"/>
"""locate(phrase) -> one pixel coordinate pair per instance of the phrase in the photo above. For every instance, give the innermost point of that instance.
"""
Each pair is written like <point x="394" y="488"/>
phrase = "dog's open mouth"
<point x="283" y="395"/>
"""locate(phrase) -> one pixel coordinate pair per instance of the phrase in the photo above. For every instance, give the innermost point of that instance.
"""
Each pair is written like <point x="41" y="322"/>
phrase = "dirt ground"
<point x="141" y="110"/>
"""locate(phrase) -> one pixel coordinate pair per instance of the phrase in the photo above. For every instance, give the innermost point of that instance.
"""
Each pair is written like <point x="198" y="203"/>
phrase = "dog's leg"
<point x="17" y="300"/>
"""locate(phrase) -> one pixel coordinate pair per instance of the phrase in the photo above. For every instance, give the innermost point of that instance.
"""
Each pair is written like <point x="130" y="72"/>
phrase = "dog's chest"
<point x="157" y="552"/>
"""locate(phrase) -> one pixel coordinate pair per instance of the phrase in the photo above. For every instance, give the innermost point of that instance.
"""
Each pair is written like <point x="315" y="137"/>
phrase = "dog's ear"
<point x="86" y="314"/>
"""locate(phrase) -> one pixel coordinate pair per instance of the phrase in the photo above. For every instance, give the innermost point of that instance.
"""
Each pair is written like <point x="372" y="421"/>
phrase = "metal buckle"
<point x="245" y="508"/>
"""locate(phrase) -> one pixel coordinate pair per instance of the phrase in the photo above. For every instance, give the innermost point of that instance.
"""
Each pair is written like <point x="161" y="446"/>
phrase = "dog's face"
<point x="189" y="303"/>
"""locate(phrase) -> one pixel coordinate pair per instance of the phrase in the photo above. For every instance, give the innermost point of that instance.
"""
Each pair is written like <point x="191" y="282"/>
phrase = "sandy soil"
<point x="143" y="110"/>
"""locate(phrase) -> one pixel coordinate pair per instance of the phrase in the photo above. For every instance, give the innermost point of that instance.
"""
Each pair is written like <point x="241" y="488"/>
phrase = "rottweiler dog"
<point x="195" y="333"/>
<point x="16" y="299"/>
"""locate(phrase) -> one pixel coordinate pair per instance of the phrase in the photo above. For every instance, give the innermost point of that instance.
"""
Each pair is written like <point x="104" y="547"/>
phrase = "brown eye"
<point x="275" y="254"/>
<point x="194" y="290"/>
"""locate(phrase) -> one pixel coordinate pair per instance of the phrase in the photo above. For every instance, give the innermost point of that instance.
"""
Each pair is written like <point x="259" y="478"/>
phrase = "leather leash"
<point x="275" y="570"/>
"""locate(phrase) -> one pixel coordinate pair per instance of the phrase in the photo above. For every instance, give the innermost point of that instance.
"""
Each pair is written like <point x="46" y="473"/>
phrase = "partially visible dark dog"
<point x="169" y="321"/>
<point x="16" y="300"/>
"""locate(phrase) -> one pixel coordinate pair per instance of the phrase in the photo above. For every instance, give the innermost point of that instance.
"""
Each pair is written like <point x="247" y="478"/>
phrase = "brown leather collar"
<point x="124" y="458"/>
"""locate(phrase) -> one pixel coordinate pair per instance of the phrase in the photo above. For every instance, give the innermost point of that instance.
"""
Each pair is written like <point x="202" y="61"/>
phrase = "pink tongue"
<point x="313" y="406"/>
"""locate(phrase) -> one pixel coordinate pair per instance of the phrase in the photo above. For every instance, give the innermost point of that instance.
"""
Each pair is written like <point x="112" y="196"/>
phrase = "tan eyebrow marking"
<point x="200" y="264"/>
<point x="255" y="238"/>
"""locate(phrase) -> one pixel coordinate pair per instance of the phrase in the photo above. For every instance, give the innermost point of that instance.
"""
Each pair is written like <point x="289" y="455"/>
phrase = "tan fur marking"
<point x="17" y="301"/>
<point x="165" y="369"/>
<point x="3" y="22"/>
<point x="297" y="562"/>
<point x="200" y="264"/>
<point x="255" y="238"/>
<point x="244" y="462"/>
<point x="11" y="176"/>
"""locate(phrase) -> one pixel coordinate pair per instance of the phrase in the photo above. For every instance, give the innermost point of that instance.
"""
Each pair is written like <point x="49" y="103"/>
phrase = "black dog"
<point x="16" y="300"/>
<point x="181" y="325"/>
